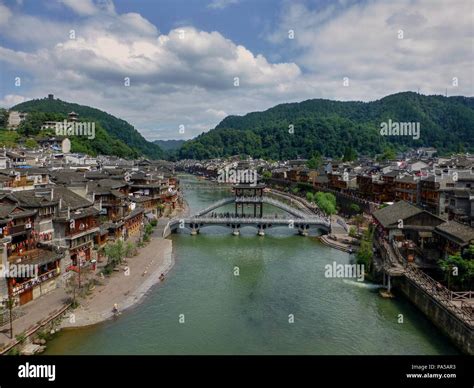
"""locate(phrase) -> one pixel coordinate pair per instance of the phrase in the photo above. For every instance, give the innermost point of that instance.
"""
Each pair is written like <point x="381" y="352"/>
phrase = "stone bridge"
<point x="297" y="220"/>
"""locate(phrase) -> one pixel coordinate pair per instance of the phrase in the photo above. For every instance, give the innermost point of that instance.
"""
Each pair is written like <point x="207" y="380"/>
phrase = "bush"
<point x="130" y="249"/>
<point x="148" y="229"/>
<point x="352" y="231"/>
<point x="15" y="351"/>
<point x="21" y="337"/>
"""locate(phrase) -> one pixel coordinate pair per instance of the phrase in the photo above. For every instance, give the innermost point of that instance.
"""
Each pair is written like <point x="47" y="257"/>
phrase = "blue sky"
<point x="182" y="57"/>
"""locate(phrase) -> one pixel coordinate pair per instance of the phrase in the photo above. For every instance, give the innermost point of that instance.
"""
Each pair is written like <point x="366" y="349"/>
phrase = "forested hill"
<point x="169" y="145"/>
<point x="114" y="136"/>
<point x="330" y="127"/>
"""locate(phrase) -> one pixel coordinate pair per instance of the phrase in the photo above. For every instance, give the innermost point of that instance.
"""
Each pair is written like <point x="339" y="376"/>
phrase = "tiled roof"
<point x="462" y="233"/>
<point x="389" y="216"/>
<point x="70" y="199"/>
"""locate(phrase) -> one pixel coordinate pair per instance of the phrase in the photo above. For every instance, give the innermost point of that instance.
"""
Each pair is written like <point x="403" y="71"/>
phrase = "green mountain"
<point x="113" y="136"/>
<point x="169" y="145"/>
<point x="334" y="128"/>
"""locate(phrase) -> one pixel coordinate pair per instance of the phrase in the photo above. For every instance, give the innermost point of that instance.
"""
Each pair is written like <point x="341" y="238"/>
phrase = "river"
<point x="257" y="295"/>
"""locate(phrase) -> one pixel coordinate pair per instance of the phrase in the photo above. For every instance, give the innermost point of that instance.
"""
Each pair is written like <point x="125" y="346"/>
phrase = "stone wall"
<point x="458" y="331"/>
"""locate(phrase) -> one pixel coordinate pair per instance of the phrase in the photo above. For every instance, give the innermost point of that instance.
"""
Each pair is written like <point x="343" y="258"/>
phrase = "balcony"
<point x="18" y="229"/>
<point x="86" y="229"/>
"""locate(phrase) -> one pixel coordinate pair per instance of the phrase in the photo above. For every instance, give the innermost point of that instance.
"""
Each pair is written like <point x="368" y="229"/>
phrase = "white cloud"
<point x="5" y="15"/>
<point x="360" y="41"/>
<point x="186" y="76"/>
<point x="11" y="99"/>
<point x="81" y="7"/>
<point x="221" y="4"/>
<point x="183" y="77"/>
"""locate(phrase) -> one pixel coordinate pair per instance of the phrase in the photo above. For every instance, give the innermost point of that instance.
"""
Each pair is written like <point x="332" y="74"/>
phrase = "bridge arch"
<point x="300" y="220"/>
<point x="270" y="201"/>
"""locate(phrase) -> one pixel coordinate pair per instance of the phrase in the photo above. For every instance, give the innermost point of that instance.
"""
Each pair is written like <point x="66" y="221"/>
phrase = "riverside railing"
<point x="435" y="289"/>
<point x="440" y="293"/>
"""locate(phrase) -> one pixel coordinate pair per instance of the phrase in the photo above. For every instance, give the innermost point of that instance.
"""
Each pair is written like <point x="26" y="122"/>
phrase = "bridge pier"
<point x="261" y="230"/>
<point x="303" y="230"/>
<point x="194" y="229"/>
<point x="236" y="230"/>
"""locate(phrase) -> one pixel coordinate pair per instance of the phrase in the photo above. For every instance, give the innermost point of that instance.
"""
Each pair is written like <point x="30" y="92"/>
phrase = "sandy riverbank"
<point x="125" y="290"/>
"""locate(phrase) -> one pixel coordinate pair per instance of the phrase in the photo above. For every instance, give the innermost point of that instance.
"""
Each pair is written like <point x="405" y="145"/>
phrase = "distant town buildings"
<point x="441" y="186"/>
<point x="15" y="118"/>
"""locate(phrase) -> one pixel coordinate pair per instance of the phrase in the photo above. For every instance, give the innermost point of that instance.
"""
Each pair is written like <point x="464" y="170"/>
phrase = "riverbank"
<point x="342" y="245"/>
<point x="127" y="287"/>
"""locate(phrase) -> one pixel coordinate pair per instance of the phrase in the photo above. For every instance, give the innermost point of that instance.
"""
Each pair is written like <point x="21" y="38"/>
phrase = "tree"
<point x="3" y="118"/>
<point x="72" y="285"/>
<point x="459" y="270"/>
<point x="359" y="220"/>
<point x="115" y="253"/>
<point x="349" y="154"/>
<point x="326" y="202"/>
<point x="31" y="143"/>
<point x="267" y="174"/>
<point x="310" y="196"/>
<point x="130" y="249"/>
<point x="9" y="303"/>
<point x="315" y="161"/>
<point x="388" y="154"/>
<point x="365" y="253"/>
<point x="355" y="208"/>
<point x="160" y="208"/>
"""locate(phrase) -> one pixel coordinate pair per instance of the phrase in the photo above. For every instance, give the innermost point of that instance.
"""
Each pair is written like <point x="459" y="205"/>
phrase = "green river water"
<point x="281" y="275"/>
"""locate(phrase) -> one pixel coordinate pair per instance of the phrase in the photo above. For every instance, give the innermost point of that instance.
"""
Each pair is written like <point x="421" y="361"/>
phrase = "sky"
<point x="176" y="68"/>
